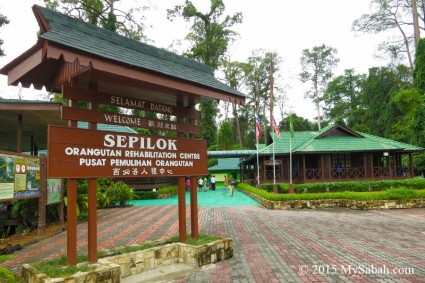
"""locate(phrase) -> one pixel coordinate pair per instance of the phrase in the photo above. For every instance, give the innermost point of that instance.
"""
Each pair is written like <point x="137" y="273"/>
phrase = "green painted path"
<point x="219" y="197"/>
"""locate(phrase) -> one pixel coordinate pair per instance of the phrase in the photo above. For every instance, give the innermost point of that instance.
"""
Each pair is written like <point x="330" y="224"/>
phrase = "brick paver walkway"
<point x="332" y="245"/>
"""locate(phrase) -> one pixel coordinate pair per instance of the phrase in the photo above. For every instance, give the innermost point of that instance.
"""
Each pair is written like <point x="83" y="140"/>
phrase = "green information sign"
<point x="19" y="176"/>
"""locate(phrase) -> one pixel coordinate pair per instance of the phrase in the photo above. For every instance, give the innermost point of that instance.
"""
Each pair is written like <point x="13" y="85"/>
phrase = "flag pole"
<point x="258" y="165"/>
<point x="257" y="137"/>
<point x="272" y="126"/>
<point x="274" y="166"/>
<point x="291" y="134"/>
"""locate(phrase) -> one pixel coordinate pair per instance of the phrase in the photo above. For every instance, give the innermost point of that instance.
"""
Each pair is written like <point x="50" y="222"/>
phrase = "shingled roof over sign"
<point x="74" y="34"/>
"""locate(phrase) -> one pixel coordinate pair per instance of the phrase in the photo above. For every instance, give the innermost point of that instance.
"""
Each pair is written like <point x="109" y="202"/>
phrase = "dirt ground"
<point x="31" y="236"/>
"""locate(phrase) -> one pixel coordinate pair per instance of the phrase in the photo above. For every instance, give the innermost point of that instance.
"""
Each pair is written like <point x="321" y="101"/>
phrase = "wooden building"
<point x="334" y="154"/>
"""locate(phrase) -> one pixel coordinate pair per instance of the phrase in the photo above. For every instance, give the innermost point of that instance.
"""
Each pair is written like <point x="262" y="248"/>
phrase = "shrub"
<point x="168" y="189"/>
<point x="281" y="188"/>
<point x="114" y="193"/>
<point x="146" y="195"/>
<point x="360" y="186"/>
<point x="391" y="194"/>
<point x="5" y="274"/>
<point x="119" y="192"/>
<point x="400" y="194"/>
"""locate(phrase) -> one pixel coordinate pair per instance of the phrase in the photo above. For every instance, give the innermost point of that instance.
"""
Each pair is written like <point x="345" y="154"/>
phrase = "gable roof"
<point x="333" y="138"/>
<point x="89" y="47"/>
<point x="110" y="45"/>
<point x="226" y="164"/>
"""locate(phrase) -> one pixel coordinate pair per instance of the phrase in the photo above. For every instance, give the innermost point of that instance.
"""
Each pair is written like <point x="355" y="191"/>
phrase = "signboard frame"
<point x="82" y="153"/>
<point x="28" y="166"/>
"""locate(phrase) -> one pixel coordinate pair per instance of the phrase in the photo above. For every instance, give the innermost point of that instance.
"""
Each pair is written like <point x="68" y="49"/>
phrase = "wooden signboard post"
<point x="89" y="153"/>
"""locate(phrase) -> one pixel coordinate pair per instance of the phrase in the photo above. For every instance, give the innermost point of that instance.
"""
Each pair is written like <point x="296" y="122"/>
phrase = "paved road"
<point x="329" y="245"/>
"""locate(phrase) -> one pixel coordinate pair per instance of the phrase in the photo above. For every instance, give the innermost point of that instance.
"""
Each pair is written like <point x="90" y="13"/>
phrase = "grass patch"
<point x="390" y="194"/>
<point x="202" y="239"/>
<point x="352" y="186"/>
<point x="5" y="274"/>
<point x="57" y="267"/>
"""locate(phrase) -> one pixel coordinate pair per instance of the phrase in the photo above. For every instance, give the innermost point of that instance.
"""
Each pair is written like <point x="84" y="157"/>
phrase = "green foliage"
<point x="212" y="162"/>
<point x="400" y="194"/>
<point x="281" y="188"/>
<point x="419" y="71"/>
<point x="112" y="193"/>
<point x="258" y="88"/>
<point x="391" y="194"/>
<point x="168" y="189"/>
<point x="298" y="123"/>
<point x="209" y="36"/>
<point x="225" y="136"/>
<point x="57" y="267"/>
<point x="3" y="21"/>
<point x="382" y="98"/>
<point x="25" y="210"/>
<point x="364" y="186"/>
<point x="342" y="96"/>
<point x="7" y="276"/>
<point x="419" y="161"/>
<point x="102" y="13"/>
<point x="209" y="111"/>
<point x="317" y="65"/>
<point x="146" y="195"/>
<point x="202" y="239"/>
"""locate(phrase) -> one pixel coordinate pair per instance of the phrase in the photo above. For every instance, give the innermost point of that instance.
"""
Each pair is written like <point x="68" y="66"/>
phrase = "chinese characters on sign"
<point x="84" y="153"/>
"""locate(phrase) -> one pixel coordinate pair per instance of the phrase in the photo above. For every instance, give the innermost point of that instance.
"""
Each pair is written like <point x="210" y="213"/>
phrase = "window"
<point x="341" y="158"/>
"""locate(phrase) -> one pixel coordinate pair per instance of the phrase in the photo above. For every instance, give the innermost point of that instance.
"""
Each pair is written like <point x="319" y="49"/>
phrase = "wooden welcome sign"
<point x="81" y="153"/>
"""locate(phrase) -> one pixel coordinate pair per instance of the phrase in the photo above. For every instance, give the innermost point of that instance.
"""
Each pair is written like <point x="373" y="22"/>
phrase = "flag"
<point x="257" y="126"/>
<point x="291" y="128"/>
<point x="276" y="128"/>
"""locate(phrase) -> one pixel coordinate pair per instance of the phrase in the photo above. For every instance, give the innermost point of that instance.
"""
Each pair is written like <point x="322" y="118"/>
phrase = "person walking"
<point x="232" y="183"/>
<point x="205" y="183"/>
<point x="213" y="181"/>
<point x="226" y="183"/>
<point x="200" y="183"/>
<point x="187" y="184"/>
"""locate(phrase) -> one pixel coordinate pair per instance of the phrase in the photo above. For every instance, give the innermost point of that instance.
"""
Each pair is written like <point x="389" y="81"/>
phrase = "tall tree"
<point x="317" y="65"/>
<point x="416" y="28"/>
<point x="235" y="74"/>
<point x="3" y="21"/>
<point x="258" y="84"/>
<point x="298" y="123"/>
<point x="419" y="83"/>
<point x="225" y="136"/>
<point x="382" y="100"/>
<point x="342" y="96"/>
<point x="210" y="37"/>
<point x="210" y="34"/>
<point x="390" y="15"/>
<point x="106" y="14"/>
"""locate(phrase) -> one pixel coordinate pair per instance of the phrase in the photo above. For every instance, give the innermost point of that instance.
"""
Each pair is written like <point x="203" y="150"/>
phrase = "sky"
<point x="283" y="26"/>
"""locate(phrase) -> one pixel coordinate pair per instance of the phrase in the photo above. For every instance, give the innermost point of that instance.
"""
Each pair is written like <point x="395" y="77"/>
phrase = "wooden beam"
<point x="182" y="209"/>
<point x="123" y="70"/>
<point x="71" y="231"/>
<point x="32" y="61"/>
<point x="194" y="208"/>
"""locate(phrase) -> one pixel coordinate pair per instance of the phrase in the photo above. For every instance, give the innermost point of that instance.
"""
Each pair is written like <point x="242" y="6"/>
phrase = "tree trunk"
<point x="317" y="106"/>
<point x="415" y="23"/>
<point x="238" y="126"/>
